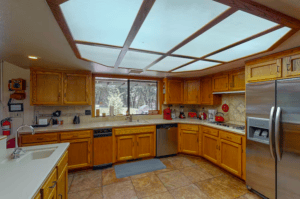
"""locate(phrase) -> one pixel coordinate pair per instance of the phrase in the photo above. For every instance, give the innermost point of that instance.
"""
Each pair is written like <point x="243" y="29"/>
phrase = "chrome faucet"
<point x="129" y="117"/>
<point x="18" y="150"/>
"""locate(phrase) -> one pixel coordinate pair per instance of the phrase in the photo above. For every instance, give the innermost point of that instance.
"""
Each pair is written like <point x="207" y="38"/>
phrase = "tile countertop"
<point x="99" y="125"/>
<point x="24" y="179"/>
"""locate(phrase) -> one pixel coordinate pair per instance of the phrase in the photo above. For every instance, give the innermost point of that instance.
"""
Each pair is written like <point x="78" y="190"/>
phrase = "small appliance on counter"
<point x="167" y="114"/>
<point x="211" y="115"/>
<point x="76" y="119"/>
<point x="181" y="114"/>
<point x="219" y="117"/>
<point x="173" y="113"/>
<point x="192" y="115"/>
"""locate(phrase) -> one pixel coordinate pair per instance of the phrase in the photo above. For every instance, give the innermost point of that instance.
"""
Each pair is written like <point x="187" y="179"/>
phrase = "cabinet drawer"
<point x="75" y="135"/>
<point x="50" y="184"/>
<point x="189" y="127"/>
<point x="134" y="130"/>
<point x="210" y="131"/>
<point x="48" y="137"/>
<point x="62" y="163"/>
<point x="231" y="137"/>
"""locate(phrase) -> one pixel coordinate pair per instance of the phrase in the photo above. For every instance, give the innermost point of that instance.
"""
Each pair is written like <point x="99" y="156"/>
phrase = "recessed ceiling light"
<point x="32" y="57"/>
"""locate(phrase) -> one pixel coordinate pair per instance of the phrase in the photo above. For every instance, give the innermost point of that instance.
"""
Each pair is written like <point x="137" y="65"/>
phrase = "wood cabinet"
<point x="189" y="142"/>
<point x="192" y="92"/>
<point x="62" y="184"/>
<point x="220" y="83"/>
<point x="210" y="148"/>
<point x="134" y="143"/>
<point x="206" y="96"/>
<point x="237" y="80"/>
<point x="60" y="88"/>
<point x="173" y="91"/>
<point x="291" y="66"/>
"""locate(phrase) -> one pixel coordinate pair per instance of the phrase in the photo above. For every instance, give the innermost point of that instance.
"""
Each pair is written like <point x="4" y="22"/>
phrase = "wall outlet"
<point x="88" y="112"/>
<point x="16" y="114"/>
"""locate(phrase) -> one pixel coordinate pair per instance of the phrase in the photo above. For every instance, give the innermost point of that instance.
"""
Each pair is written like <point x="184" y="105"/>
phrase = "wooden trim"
<point x="212" y="23"/>
<point x="93" y="96"/>
<point x="262" y="11"/>
<point x="183" y="65"/>
<point x="57" y="13"/>
<point x="137" y="24"/>
<point x="283" y="39"/>
<point x="127" y="77"/>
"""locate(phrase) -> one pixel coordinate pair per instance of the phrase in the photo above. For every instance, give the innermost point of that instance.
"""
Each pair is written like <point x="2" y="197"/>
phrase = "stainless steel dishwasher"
<point x="166" y="140"/>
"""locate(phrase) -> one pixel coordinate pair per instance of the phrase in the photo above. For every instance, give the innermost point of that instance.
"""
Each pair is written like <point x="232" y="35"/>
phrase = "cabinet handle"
<point x="54" y="184"/>
<point x="277" y="69"/>
<point x="40" y="138"/>
<point x="60" y="196"/>
<point x="217" y="147"/>
<point x="65" y="94"/>
<point x="228" y="138"/>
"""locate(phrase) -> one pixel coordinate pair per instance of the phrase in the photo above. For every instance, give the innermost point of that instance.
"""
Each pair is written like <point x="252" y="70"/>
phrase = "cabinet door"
<point x="52" y="194"/>
<point x="174" y="92"/>
<point x="220" y="83"/>
<point x="144" y="146"/>
<point x="189" y="142"/>
<point x="264" y="71"/>
<point x="77" y="89"/>
<point x="210" y="148"/>
<point x="231" y="157"/>
<point x="125" y="147"/>
<point x="45" y="88"/>
<point x="237" y="80"/>
<point x="62" y="184"/>
<point x="291" y="66"/>
<point x="192" y="92"/>
<point x="80" y="153"/>
<point x="206" y="91"/>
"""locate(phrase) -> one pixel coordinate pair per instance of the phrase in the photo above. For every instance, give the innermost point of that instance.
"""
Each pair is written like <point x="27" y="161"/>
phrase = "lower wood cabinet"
<point x="210" y="147"/>
<point x="189" y="142"/>
<point x="144" y="146"/>
<point x="62" y="184"/>
<point x="126" y="147"/>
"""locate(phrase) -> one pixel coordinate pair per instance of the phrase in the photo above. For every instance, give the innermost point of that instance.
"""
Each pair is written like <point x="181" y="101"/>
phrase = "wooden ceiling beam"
<point x="262" y="11"/>
<point x="139" y="20"/>
<point x="209" y="25"/>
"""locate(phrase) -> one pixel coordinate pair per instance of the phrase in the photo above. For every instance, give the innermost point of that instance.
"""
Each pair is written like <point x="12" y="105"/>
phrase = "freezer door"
<point x="260" y="165"/>
<point x="288" y="134"/>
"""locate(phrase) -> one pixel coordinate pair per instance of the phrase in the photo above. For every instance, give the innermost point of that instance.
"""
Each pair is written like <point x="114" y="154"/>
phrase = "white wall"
<point x="11" y="71"/>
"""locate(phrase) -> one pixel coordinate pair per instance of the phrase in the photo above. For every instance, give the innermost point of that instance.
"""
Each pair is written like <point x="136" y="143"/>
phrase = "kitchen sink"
<point x="40" y="154"/>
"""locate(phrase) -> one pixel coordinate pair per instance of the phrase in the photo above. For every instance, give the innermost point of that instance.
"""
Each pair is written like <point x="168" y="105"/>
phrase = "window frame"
<point x="128" y="78"/>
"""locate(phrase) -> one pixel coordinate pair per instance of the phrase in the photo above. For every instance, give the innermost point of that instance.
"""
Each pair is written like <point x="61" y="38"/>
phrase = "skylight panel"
<point x="199" y="65"/>
<point x="172" y="21"/>
<point x="102" y="55"/>
<point x="234" y="28"/>
<point x="100" y="21"/>
<point x="138" y="60"/>
<point x="254" y="46"/>
<point x="169" y="63"/>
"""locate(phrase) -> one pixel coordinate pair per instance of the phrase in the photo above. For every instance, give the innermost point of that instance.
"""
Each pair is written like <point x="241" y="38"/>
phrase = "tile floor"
<point x="185" y="177"/>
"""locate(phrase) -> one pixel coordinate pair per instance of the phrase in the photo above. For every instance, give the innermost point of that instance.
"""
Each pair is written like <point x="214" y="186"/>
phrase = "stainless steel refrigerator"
<point x="273" y="138"/>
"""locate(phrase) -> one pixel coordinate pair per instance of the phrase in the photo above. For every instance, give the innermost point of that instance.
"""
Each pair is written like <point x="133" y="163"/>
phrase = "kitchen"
<point x="155" y="115"/>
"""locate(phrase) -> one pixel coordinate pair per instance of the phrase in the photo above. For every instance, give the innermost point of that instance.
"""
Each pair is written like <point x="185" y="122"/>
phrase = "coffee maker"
<point x="181" y="114"/>
<point x="211" y="115"/>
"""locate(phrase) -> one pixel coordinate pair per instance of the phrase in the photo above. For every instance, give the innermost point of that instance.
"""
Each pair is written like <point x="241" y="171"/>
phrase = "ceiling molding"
<point x="263" y="12"/>
<point x="138" y="22"/>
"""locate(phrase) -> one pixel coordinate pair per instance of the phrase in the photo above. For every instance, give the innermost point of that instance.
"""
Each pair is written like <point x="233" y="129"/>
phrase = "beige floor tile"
<point x="95" y="193"/>
<point x="70" y="180"/>
<point x="180" y="162"/>
<point x="249" y="196"/>
<point x="141" y="175"/>
<point x="211" y="168"/>
<point x="165" y="195"/>
<point x="168" y="164"/>
<point x="174" y="179"/>
<point x="188" y="192"/>
<point x="147" y="186"/>
<point x="195" y="159"/>
<point x="195" y="174"/>
<point x="86" y="180"/>
<point x="224" y="187"/>
<point x="109" y="177"/>
<point x="120" y="190"/>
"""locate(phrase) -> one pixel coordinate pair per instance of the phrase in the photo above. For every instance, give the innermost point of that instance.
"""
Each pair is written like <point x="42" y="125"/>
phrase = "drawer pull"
<point x="54" y="184"/>
<point x="75" y="136"/>
<point x="228" y="137"/>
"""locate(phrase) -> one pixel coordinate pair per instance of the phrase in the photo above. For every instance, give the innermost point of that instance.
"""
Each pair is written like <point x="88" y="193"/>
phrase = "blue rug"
<point x="134" y="168"/>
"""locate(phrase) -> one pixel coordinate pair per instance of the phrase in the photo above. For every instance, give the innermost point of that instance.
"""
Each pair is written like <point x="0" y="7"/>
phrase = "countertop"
<point x="2" y="137"/>
<point x="114" y="124"/>
<point x="24" y="179"/>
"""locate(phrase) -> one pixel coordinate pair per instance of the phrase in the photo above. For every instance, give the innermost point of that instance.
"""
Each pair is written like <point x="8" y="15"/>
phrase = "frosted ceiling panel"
<point x="138" y="60"/>
<point x="254" y="46"/>
<point x="102" y="55"/>
<point x="172" y="21"/>
<point x="196" y="66"/>
<point x="101" y="21"/>
<point x="169" y="63"/>
<point x="236" y="27"/>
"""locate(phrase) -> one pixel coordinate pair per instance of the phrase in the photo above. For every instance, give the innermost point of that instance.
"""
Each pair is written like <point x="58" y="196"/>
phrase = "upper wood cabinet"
<point x="206" y="96"/>
<point x="220" y="82"/>
<point x="237" y="80"/>
<point x="192" y="92"/>
<point x="291" y="66"/>
<point x="46" y="88"/>
<point x="60" y="88"/>
<point x="77" y="89"/>
<point x="173" y="91"/>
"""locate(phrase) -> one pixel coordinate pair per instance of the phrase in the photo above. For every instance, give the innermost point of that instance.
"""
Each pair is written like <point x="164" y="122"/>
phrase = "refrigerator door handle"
<point x="277" y="133"/>
<point x="271" y="131"/>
